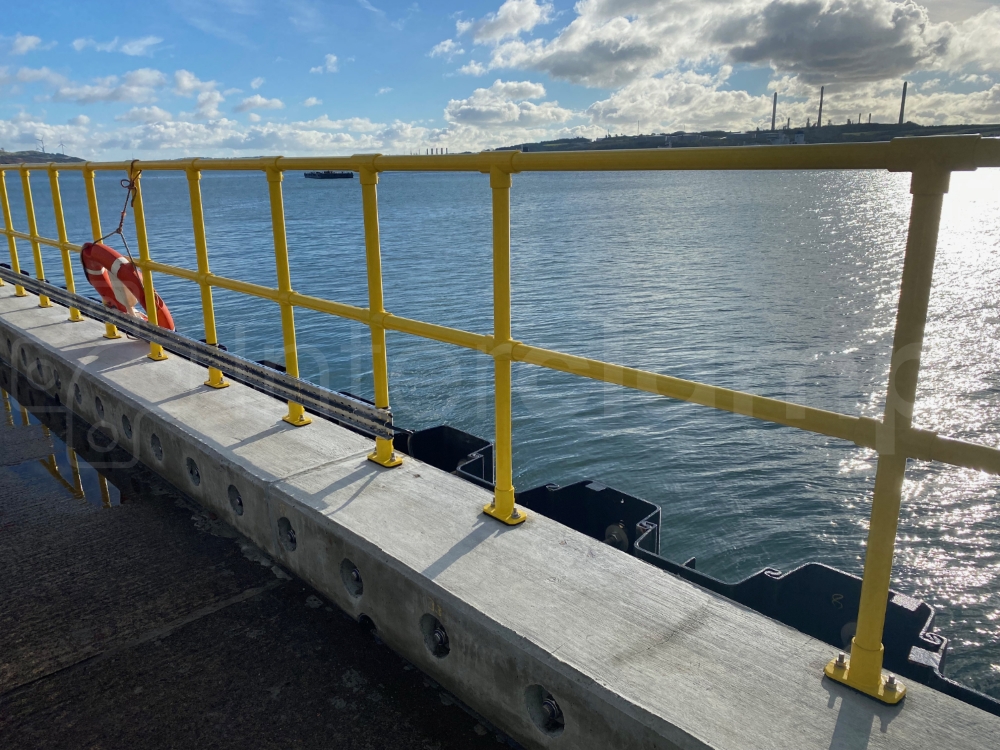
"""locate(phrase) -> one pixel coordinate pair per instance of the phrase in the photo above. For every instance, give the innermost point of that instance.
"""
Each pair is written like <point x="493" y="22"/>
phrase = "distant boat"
<point x="328" y="175"/>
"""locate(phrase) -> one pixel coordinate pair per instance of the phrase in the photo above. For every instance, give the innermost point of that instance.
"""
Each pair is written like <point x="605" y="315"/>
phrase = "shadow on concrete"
<point x="856" y="717"/>
<point x="483" y="529"/>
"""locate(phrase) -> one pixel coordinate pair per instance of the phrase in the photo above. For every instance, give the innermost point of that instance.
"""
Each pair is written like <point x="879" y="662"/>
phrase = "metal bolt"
<point x="439" y="637"/>
<point x="355" y="575"/>
<point x="841" y="659"/>
<point x="890" y="682"/>
<point x="291" y="536"/>
<point x="551" y="710"/>
<point x="515" y="514"/>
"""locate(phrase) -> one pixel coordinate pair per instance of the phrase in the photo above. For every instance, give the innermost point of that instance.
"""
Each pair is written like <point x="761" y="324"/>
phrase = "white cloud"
<point x="682" y="101"/>
<point x="79" y="120"/>
<point x="259" y="102"/>
<point x="329" y="65"/>
<point x="355" y="124"/>
<point x="254" y="117"/>
<point x="133" y="47"/>
<point x="256" y="83"/>
<point x="449" y="48"/>
<point x="473" y="68"/>
<point x="976" y="42"/>
<point x="34" y="75"/>
<point x="136" y="86"/>
<point x="506" y="103"/>
<point x="511" y="19"/>
<point x="383" y="90"/>
<point x="187" y="83"/>
<point x="139" y="47"/>
<point x="312" y="101"/>
<point x="24" y="44"/>
<point x="145" y="114"/>
<point x="610" y="43"/>
<point x="206" y="93"/>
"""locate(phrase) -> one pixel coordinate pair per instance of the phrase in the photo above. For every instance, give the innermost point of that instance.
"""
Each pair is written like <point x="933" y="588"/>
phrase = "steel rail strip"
<point x="953" y="152"/>
<point x="336" y="406"/>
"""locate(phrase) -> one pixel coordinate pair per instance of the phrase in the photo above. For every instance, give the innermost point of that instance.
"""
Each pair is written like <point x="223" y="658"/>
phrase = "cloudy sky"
<point x="244" y="77"/>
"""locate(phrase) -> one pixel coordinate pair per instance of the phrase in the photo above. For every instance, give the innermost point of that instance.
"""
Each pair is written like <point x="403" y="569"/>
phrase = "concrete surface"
<point x="152" y="624"/>
<point x="633" y="656"/>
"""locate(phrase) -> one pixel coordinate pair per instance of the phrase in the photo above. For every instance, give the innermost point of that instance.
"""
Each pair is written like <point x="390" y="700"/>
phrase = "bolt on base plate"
<point x="516" y="515"/>
<point x="394" y="459"/>
<point x="889" y="689"/>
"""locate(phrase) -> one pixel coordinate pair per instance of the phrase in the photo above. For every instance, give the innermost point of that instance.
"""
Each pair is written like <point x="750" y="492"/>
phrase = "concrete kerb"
<point x="632" y="656"/>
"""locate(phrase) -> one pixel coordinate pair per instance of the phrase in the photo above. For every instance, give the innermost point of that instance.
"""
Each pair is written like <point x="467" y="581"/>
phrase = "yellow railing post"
<point x="296" y="413"/>
<point x="863" y="670"/>
<point x="110" y="329"/>
<point x="502" y="507"/>
<point x="8" y="223"/>
<point x="8" y="415"/>
<point x="383" y="454"/>
<point x="36" y="247"/>
<point x="77" y="478"/>
<point x="215" y="379"/>
<point x="155" y="350"/>
<point x="57" y="210"/>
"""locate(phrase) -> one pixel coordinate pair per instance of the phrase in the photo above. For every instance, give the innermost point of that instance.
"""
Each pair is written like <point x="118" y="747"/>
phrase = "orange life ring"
<point x="119" y="283"/>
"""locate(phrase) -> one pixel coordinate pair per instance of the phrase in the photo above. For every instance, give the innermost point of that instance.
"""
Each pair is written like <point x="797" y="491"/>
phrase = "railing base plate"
<point x="513" y="519"/>
<point x="841" y="673"/>
<point x="394" y="460"/>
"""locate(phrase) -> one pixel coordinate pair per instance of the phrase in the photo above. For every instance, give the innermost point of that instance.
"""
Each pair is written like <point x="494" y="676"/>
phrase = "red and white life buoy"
<point x="119" y="283"/>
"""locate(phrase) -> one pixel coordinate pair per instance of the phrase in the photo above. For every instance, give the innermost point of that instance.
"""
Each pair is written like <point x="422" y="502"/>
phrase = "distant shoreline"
<point x="35" y="157"/>
<point x="853" y="133"/>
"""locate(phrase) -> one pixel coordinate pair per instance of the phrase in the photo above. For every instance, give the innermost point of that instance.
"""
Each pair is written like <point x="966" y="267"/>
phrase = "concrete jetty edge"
<point x="634" y="657"/>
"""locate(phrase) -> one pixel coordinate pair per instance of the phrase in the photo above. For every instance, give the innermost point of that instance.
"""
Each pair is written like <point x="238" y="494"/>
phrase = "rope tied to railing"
<point x="131" y="185"/>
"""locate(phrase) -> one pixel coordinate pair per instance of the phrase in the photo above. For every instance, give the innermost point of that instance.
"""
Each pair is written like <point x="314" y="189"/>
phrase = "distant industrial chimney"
<point x="902" y="104"/>
<point x="819" y="120"/>
<point x="774" y="109"/>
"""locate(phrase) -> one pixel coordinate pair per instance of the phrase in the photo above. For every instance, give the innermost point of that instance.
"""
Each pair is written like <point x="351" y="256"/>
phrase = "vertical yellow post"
<point x="502" y="507"/>
<point x="155" y="350"/>
<point x="110" y="329"/>
<point x="8" y="415"/>
<point x="296" y="413"/>
<point x="383" y="454"/>
<point x="863" y="671"/>
<point x="77" y="479"/>
<point x="102" y="482"/>
<point x="215" y="379"/>
<point x="57" y="210"/>
<point x="8" y="223"/>
<point x="36" y="247"/>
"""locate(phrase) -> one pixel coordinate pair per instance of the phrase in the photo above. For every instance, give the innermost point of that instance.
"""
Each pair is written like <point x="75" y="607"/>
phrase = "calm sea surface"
<point x="783" y="284"/>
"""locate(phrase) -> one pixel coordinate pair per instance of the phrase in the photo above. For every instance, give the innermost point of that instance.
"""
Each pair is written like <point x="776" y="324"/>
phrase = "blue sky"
<point x="238" y="77"/>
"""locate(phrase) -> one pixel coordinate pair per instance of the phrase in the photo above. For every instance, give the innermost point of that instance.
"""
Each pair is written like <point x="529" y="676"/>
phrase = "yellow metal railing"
<point x="929" y="160"/>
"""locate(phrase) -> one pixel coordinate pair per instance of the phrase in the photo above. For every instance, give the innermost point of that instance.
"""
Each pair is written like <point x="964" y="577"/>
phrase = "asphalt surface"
<point x="135" y="619"/>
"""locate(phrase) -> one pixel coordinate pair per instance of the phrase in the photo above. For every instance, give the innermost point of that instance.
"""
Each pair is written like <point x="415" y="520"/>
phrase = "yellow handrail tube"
<point x="36" y="248"/>
<point x="215" y="379"/>
<point x="864" y="669"/>
<point x="8" y="223"/>
<point x="296" y="413"/>
<point x="156" y="352"/>
<point x="502" y="507"/>
<point x="110" y="329"/>
<point x="383" y="454"/>
<point x="57" y="211"/>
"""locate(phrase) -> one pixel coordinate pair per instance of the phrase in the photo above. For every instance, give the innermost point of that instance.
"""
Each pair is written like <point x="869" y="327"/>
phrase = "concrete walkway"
<point x="151" y="624"/>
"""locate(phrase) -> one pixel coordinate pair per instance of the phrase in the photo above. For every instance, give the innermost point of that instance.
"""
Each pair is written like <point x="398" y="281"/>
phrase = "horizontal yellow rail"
<point x="952" y="153"/>
<point x="930" y="160"/>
